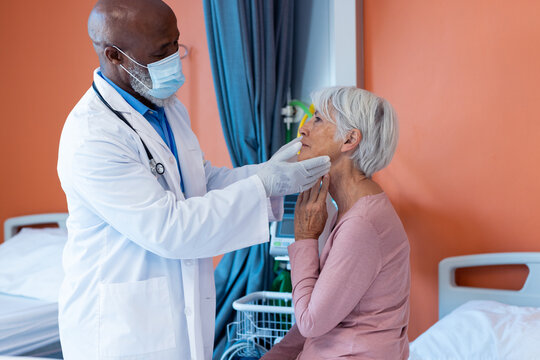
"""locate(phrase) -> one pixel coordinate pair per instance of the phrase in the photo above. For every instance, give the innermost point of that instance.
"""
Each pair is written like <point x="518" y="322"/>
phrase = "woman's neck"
<point x="348" y="185"/>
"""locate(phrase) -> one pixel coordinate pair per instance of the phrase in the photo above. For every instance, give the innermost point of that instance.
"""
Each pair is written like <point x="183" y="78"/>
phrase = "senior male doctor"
<point x="146" y="212"/>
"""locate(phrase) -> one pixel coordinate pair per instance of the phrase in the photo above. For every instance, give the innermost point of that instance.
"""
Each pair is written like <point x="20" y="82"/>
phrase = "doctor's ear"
<point x="113" y="55"/>
<point x="352" y="140"/>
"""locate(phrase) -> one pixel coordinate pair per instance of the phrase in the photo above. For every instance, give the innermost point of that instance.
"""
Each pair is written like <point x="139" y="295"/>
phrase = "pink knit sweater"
<point x="353" y="301"/>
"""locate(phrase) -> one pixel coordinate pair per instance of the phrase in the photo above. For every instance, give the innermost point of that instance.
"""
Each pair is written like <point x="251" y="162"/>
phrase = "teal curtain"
<point x="250" y="44"/>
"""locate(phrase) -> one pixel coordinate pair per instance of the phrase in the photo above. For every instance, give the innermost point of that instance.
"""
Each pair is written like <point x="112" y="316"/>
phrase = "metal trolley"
<point x="262" y="319"/>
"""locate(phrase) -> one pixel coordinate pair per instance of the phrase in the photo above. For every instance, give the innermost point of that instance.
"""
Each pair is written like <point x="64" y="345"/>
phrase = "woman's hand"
<point x="310" y="212"/>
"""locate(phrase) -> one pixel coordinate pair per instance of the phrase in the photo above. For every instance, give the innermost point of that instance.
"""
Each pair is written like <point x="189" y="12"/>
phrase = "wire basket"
<point x="262" y="320"/>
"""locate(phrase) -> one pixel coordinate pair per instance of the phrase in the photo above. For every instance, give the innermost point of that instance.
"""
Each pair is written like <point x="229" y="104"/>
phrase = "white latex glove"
<point x="287" y="146"/>
<point x="281" y="177"/>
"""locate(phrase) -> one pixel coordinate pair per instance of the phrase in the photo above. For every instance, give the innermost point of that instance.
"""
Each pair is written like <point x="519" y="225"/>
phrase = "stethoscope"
<point x="156" y="167"/>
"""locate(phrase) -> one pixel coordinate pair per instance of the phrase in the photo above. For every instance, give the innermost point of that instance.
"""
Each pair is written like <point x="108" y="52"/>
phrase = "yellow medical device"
<point x="305" y="117"/>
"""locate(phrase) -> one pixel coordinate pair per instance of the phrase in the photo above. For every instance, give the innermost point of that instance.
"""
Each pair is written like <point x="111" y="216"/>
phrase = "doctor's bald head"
<point x="126" y="22"/>
<point x="128" y="35"/>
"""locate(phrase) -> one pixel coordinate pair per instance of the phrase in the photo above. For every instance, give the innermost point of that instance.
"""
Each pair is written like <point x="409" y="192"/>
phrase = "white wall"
<point x="324" y="45"/>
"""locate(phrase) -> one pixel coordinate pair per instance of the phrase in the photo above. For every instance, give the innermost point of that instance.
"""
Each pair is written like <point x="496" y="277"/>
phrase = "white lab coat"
<point x="139" y="278"/>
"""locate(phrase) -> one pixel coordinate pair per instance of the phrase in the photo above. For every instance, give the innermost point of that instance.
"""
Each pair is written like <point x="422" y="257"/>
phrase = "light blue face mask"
<point x="166" y="75"/>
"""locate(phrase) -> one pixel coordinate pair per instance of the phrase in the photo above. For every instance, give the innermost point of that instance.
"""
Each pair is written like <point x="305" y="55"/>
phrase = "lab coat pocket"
<point x="135" y="318"/>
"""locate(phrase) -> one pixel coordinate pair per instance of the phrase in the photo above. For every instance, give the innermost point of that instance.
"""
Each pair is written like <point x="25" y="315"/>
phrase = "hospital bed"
<point x="479" y="323"/>
<point x="30" y="277"/>
<point x="474" y="323"/>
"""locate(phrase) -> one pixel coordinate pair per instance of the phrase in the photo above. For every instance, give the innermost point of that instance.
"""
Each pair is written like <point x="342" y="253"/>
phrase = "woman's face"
<point x="319" y="138"/>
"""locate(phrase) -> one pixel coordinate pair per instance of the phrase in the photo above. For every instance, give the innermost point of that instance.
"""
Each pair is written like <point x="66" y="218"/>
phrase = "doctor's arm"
<point x="109" y="177"/>
<point x="220" y="177"/>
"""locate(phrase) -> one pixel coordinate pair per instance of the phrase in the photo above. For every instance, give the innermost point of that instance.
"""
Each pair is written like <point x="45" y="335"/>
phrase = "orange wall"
<point x="46" y="66"/>
<point x="463" y="76"/>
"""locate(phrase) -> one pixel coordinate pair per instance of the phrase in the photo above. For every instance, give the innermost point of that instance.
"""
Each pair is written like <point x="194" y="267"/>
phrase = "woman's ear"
<point x="352" y="139"/>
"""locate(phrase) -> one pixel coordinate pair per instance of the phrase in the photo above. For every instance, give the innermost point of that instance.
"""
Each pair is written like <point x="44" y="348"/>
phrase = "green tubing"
<point x="301" y="105"/>
<point x="288" y="135"/>
<point x="305" y="108"/>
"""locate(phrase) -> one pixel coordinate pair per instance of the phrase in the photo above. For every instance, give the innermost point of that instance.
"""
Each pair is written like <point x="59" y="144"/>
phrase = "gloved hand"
<point x="286" y="147"/>
<point x="280" y="177"/>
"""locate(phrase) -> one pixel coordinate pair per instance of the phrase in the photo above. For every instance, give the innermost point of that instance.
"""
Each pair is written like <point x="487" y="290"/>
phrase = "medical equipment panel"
<point x="282" y="232"/>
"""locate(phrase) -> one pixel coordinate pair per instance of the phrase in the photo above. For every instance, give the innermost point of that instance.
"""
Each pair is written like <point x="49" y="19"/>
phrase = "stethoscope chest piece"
<point x="156" y="168"/>
<point x="160" y="169"/>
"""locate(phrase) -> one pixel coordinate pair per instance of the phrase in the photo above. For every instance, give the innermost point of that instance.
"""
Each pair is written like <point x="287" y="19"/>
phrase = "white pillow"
<point x="32" y="263"/>
<point x="482" y="330"/>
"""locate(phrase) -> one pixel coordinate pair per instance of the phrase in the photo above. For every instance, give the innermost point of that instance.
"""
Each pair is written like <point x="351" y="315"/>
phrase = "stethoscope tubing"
<point x="155" y="167"/>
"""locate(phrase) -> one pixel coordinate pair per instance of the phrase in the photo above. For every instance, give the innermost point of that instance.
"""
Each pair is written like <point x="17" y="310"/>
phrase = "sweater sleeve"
<point x="323" y="298"/>
<point x="288" y="348"/>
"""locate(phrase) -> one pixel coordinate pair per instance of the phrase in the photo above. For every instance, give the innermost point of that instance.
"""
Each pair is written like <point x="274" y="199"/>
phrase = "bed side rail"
<point x="12" y="225"/>
<point x="451" y="295"/>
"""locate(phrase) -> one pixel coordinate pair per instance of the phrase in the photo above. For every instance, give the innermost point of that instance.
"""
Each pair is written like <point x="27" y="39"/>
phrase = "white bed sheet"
<point x="27" y="324"/>
<point x="482" y="330"/>
<point x="32" y="263"/>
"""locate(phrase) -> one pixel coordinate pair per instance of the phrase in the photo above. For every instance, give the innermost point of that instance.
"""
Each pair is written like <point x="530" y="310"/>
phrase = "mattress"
<point x="28" y="326"/>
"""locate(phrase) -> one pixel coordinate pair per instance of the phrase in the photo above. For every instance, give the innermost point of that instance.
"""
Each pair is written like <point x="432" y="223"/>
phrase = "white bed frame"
<point x="451" y="295"/>
<point x="12" y="225"/>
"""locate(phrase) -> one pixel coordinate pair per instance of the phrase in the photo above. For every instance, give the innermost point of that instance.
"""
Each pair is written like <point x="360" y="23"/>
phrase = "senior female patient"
<point x="353" y="300"/>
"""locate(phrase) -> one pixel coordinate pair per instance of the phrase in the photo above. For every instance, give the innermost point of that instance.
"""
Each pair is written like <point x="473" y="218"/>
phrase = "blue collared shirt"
<point x="156" y="118"/>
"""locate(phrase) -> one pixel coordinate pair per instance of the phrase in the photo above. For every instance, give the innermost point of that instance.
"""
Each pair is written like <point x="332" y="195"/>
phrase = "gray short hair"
<point x="352" y="108"/>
